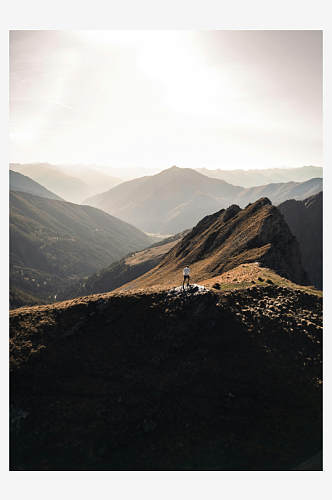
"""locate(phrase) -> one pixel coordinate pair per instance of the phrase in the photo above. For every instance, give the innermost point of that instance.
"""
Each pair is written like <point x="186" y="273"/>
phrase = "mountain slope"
<point x="228" y="238"/>
<point x="177" y="198"/>
<point x="20" y="182"/>
<point x="52" y="242"/>
<point x="148" y="201"/>
<point x="305" y="219"/>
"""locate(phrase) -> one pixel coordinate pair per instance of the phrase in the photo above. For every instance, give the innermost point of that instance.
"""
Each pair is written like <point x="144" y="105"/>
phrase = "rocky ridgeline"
<point x="188" y="291"/>
<point x="223" y="241"/>
<point x="171" y="380"/>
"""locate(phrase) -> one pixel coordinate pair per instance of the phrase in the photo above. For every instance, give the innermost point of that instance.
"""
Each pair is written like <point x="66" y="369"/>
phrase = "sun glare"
<point x="120" y="37"/>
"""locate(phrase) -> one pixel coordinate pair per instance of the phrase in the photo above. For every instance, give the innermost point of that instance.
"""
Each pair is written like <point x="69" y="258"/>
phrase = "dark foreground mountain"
<point x="177" y="198"/>
<point x="263" y="176"/>
<point x="227" y="239"/>
<point x="204" y="379"/>
<point x="305" y="219"/>
<point x="54" y="242"/>
<point x="19" y="182"/>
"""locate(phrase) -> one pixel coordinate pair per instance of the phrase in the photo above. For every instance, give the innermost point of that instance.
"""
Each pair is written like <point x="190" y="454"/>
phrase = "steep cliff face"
<point x="305" y="219"/>
<point x="229" y="238"/>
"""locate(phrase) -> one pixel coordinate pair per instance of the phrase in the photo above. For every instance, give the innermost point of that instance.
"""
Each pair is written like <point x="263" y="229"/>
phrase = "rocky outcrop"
<point x="305" y="219"/>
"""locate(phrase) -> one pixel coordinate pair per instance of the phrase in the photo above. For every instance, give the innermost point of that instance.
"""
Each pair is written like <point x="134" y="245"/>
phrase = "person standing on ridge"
<point x="186" y="273"/>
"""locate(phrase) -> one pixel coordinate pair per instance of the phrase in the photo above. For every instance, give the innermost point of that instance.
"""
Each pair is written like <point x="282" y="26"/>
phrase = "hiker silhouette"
<point x="186" y="277"/>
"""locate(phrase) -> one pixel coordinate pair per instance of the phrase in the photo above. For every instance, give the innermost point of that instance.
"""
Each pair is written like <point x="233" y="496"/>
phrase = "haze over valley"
<point x="176" y="199"/>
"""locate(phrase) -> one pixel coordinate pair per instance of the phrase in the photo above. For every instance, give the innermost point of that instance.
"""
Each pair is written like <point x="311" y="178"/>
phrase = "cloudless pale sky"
<point x="214" y="99"/>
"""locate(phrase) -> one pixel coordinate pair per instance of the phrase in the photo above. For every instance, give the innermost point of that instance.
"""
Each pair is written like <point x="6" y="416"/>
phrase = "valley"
<point x="53" y="243"/>
<point x="71" y="183"/>
<point x="119" y="273"/>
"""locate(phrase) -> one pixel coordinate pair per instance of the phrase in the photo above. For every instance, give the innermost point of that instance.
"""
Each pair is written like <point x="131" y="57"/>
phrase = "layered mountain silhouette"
<point x="72" y="185"/>
<point x="20" y="182"/>
<point x="257" y="177"/>
<point x="53" y="242"/>
<point x="279" y="192"/>
<point x="227" y="239"/>
<point x="151" y="200"/>
<point x="176" y="199"/>
<point x="305" y="219"/>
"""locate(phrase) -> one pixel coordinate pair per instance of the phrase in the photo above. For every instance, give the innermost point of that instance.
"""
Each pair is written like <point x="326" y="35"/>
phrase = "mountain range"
<point x="176" y="199"/>
<point x="53" y="242"/>
<point x="71" y="185"/>
<point x="257" y="177"/>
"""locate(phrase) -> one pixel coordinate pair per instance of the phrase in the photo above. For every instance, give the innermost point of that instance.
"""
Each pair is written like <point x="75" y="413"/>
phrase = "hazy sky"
<point x="214" y="99"/>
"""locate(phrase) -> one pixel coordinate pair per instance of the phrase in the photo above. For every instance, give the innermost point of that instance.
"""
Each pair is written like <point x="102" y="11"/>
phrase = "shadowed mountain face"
<point x="228" y="238"/>
<point x="305" y="219"/>
<point x="177" y="198"/>
<point x="53" y="242"/>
